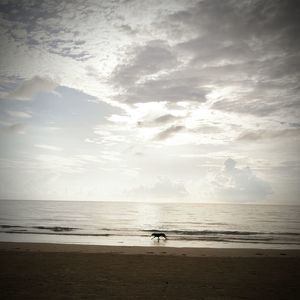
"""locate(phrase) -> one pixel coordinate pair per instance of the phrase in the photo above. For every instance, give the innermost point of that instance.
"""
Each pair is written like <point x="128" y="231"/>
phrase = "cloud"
<point x="250" y="47"/>
<point x="14" y="128"/>
<point x="202" y="77"/>
<point x="195" y="133"/>
<point x="165" y="119"/>
<point x="48" y="147"/>
<point x="167" y="88"/>
<point x="165" y="134"/>
<point x="146" y="60"/>
<point x="47" y="25"/>
<point x="239" y="184"/>
<point x="158" y="121"/>
<point x="29" y="88"/>
<point x="127" y="29"/>
<point x="19" y="114"/>
<point x="223" y="44"/>
<point x="151" y="75"/>
<point x="72" y="164"/>
<point x="261" y="98"/>
<point x="257" y="135"/>
<point x="243" y="21"/>
<point x="163" y="189"/>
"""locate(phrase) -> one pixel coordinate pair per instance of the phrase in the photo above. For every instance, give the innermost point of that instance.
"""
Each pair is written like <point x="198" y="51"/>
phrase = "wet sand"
<point x="49" y="271"/>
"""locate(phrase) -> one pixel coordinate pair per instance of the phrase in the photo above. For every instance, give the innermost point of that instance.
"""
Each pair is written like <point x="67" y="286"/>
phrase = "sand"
<point x="49" y="271"/>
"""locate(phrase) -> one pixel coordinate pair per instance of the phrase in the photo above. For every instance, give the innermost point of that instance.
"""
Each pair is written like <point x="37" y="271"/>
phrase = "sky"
<point x="150" y="100"/>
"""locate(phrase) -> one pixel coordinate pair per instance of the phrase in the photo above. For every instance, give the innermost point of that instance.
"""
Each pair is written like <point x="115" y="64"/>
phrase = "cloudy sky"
<point x="150" y="100"/>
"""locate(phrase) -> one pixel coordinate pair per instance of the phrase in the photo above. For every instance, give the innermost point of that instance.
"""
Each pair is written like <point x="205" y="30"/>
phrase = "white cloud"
<point x="14" y="128"/>
<point x="239" y="184"/>
<point x="62" y="164"/>
<point x="48" y="147"/>
<point x="29" y="88"/>
<point x="163" y="189"/>
<point x="19" y="114"/>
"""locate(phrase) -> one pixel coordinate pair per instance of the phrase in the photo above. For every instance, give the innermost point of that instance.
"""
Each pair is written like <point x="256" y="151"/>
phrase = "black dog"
<point x="158" y="235"/>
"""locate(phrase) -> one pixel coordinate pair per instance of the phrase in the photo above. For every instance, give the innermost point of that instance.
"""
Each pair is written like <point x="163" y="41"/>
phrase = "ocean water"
<point x="186" y="225"/>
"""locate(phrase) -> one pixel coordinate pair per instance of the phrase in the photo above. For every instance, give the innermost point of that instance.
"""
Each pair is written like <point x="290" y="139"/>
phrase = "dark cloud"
<point x="227" y="22"/>
<point x="165" y="134"/>
<point x="262" y="96"/>
<point x="297" y="125"/>
<point x="165" y="119"/>
<point x="162" y="120"/>
<point x="172" y="90"/>
<point x="28" y="13"/>
<point x="40" y="23"/>
<point x="255" y="106"/>
<point x="269" y="134"/>
<point x="69" y="48"/>
<point x="250" y="46"/>
<point x="127" y="29"/>
<point x="175" y="126"/>
<point x="155" y="57"/>
<point x="146" y="60"/>
<point x="206" y="50"/>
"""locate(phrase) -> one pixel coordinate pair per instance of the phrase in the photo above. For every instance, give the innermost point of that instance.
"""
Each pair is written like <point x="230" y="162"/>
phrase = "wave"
<point x="171" y="232"/>
<point x="224" y="239"/>
<point x="225" y="236"/>
<point x="51" y="228"/>
<point x="53" y="233"/>
<point x="220" y="232"/>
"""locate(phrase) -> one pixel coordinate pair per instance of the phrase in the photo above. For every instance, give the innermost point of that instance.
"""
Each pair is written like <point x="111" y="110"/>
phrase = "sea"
<point x="131" y="224"/>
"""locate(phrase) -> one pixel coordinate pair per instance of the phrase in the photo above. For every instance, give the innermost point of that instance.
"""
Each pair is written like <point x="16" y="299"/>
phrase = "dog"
<point x="158" y="235"/>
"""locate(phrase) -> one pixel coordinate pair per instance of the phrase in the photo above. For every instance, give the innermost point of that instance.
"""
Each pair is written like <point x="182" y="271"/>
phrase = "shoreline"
<point x="151" y="250"/>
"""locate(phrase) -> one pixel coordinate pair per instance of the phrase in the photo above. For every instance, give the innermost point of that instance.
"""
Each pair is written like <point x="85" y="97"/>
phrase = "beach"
<point x="56" y="271"/>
